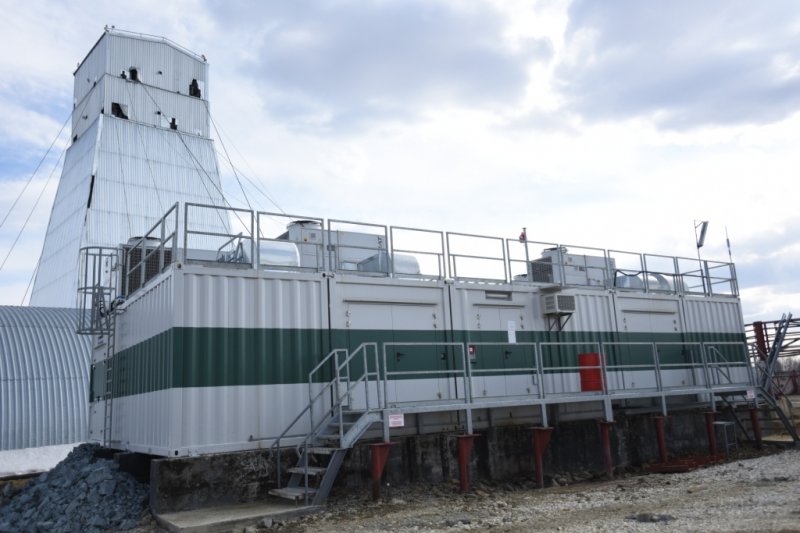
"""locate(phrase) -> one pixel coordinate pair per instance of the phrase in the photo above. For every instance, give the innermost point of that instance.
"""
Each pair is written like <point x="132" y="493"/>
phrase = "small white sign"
<point x="397" y="420"/>
<point x="512" y="332"/>
<point x="751" y="394"/>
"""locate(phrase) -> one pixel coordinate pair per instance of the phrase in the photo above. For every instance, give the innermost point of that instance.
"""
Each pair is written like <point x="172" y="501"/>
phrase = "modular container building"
<point x="244" y="341"/>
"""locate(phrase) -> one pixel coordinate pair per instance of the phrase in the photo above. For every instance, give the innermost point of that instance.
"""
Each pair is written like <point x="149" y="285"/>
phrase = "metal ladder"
<point x="110" y="377"/>
<point x="321" y="452"/>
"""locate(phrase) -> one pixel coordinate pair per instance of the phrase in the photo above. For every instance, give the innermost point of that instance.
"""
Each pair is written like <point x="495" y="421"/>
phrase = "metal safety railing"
<point x="149" y="255"/>
<point x="329" y="397"/>
<point x="625" y="368"/>
<point x="213" y="234"/>
<point x="97" y="289"/>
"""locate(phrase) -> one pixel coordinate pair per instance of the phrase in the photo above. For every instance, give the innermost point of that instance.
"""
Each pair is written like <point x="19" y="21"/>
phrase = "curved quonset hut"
<point x="44" y="378"/>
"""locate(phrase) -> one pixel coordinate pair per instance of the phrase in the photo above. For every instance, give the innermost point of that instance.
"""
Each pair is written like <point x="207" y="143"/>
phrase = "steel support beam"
<point x="379" y="454"/>
<point x="605" y="437"/>
<point x="541" y="437"/>
<point x="465" y="443"/>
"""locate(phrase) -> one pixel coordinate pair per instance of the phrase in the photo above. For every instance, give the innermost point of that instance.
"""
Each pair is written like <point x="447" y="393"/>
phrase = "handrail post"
<point x="603" y="367"/>
<point x="657" y="364"/>
<point x="540" y="369"/>
<point x="385" y="379"/>
<point x="336" y="384"/>
<point x="185" y="231"/>
<point x="253" y="237"/>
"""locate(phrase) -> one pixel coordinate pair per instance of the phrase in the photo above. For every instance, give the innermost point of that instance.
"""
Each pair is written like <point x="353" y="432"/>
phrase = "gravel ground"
<point x="747" y="494"/>
<point x="756" y="494"/>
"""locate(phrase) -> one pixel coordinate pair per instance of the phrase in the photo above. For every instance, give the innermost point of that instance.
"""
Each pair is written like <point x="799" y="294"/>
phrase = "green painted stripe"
<point x="215" y="357"/>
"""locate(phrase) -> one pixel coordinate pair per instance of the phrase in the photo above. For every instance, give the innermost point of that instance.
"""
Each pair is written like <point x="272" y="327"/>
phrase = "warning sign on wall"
<point x="397" y="420"/>
<point x="512" y="332"/>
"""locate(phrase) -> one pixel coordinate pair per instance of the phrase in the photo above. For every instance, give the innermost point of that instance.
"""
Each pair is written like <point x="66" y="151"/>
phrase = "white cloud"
<point x="435" y="139"/>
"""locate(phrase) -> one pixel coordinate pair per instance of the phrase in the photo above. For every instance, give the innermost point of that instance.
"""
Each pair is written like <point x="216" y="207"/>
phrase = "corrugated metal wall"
<point x="44" y="377"/>
<point x="56" y="278"/>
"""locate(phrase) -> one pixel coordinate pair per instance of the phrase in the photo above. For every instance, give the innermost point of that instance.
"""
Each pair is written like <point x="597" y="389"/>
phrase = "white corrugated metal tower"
<point x="140" y="143"/>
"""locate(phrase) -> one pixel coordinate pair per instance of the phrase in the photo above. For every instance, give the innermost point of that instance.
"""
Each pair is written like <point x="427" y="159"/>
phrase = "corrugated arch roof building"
<point x="44" y="377"/>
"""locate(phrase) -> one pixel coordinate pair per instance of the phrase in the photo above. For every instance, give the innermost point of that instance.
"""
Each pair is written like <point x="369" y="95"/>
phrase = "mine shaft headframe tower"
<point x="140" y="142"/>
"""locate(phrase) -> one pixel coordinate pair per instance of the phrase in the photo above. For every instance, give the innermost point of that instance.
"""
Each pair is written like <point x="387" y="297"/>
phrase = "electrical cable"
<point x="30" y="178"/>
<point x="228" y="158"/>
<point x="146" y="156"/>
<point x="33" y="276"/>
<point x="22" y="229"/>
<point x="220" y="133"/>
<point x="124" y="192"/>
<point x="198" y="166"/>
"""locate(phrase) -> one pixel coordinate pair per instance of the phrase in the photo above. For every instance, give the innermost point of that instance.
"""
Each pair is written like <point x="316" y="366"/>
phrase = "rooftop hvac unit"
<point x="559" y="304"/>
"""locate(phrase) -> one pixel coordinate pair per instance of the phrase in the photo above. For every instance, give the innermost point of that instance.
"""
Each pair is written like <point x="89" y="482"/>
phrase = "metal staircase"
<point x="338" y="415"/>
<point x="766" y="360"/>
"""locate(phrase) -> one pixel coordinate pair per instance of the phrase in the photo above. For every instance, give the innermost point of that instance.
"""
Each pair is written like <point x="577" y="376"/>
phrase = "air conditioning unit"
<point x="559" y="304"/>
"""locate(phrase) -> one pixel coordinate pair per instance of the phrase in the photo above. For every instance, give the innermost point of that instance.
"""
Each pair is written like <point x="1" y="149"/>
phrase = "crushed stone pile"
<point x="83" y="493"/>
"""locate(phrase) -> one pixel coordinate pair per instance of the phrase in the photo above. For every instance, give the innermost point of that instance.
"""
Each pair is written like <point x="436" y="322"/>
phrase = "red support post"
<point x="379" y="453"/>
<point x="605" y="436"/>
<point x="541" y="437"/>
<point x="658" y="421"/>
<point x="712" y="435"/>
<point x="756" y="426"/>
<point x="465" y="443"/>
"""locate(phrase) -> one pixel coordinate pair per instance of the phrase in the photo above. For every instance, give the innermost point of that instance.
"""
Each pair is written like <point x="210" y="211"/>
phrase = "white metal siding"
<point x="91" y="70"/>
<point x="44" y="377"/>
<point x="149" y="312"/>
<point x="648" y="313"/>
<point x="222" y="298"/>
<point x="208" y="419"/>
<point x="150" y="56"/>
<point x="713" y="315"/>
<point x="56" y="278"/>
<point x="594" y="311"/>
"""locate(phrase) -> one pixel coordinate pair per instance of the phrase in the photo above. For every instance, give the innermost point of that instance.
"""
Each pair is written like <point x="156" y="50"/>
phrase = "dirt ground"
<point x="749" y="494"/>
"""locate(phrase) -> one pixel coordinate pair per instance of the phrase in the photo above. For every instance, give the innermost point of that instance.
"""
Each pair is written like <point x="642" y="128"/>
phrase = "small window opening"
<point x="91" y="190"/>
<point x="134" y="72"/>
<point x="119" y="110"/>
<point x="194" y="89"/>
<point x="173" y="125"/>
<point x="123" y="75"/>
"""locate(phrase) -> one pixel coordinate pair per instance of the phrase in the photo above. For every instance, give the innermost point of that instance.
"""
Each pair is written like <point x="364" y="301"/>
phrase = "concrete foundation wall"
<point x="499" y="453"/>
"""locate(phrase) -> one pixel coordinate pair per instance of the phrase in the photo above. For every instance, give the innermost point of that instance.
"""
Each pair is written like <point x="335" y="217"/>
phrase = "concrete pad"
<point x="212" y="519"/>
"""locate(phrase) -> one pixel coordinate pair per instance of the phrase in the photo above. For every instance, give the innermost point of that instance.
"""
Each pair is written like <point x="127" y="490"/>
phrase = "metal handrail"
<point x="236" y="211"/>
<point x="147" y="252"/>
<point x="681" y="271"/>
<point x="440" y="255"/>
<point x="332" y="385"/>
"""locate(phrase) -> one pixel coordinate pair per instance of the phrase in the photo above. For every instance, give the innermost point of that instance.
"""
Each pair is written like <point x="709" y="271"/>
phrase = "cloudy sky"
<point x="609" y="124"/>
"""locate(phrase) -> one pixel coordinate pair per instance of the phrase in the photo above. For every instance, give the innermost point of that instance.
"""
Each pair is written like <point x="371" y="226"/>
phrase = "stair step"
<point x="321" y="450"/>
<point x="312" y="470"/>
<point x="328" y="436"/>
<point x="292" y="493"/>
